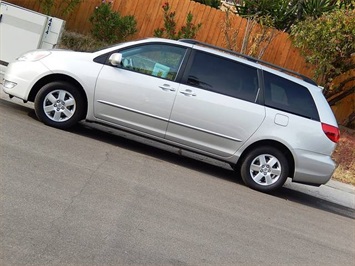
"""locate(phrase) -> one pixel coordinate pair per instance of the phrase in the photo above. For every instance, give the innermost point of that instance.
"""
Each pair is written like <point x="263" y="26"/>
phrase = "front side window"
<point x="223" y="76"/>
<point x="159" y="60"/>
<point x="285" y="95"/>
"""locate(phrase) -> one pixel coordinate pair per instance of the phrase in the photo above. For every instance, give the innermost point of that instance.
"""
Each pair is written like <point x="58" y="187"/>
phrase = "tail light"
<point x="331" y="132"/>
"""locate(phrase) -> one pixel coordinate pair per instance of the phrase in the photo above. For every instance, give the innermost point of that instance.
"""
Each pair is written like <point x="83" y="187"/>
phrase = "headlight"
<point x="34" y="55"/>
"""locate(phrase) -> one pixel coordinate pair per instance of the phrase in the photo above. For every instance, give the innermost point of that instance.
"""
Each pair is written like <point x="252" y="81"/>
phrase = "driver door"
<point x="139" y="93"/>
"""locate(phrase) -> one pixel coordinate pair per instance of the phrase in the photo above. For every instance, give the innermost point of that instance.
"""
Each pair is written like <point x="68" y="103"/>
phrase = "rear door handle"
<point x="188" y="93"/>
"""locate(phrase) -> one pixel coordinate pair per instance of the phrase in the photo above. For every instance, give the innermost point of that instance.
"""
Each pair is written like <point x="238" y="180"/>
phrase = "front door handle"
<point x="166" y="87"/>
<point x="188" y="93"/>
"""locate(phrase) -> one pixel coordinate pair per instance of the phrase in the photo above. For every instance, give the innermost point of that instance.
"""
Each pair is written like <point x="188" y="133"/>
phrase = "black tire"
<point x="59" y="104"/>
<point x="264" y="169"/>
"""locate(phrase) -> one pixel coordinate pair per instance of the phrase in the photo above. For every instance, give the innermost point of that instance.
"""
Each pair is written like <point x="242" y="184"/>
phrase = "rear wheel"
<point x="264" y="168"/>
<point x="59" y="104"/>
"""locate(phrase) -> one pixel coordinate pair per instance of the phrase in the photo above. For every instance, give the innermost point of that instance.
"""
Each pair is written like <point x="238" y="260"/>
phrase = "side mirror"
<point x="115" y="59"/>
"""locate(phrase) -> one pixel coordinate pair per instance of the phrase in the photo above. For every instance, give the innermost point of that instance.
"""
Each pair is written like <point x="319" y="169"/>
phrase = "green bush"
<point x="327" y="42"/>
<point x="79" y="42"/>
<point x="55" y="8"/>
<point x="109" y="26"/>
<point x="188" y="31"/>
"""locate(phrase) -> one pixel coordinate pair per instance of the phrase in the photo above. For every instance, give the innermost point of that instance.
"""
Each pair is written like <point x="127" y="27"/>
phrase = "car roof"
<point x="191" y="43"/>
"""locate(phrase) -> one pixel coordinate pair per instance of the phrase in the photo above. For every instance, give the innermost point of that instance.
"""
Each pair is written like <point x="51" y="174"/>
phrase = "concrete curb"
<point x="334" y="191"/>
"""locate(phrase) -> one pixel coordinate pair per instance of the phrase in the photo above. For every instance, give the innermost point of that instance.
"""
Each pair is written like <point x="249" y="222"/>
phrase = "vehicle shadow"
<point x="198" y="163"/>
<point x="193" y="161"/>
<point x="314" y="202"/>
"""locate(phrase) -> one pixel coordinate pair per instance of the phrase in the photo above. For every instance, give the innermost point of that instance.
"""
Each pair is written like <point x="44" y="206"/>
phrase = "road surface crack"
<point x="72" y="200"/>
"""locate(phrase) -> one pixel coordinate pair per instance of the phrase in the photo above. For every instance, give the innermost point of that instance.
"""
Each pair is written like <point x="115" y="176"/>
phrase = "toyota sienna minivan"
<point x="267" y="122"/>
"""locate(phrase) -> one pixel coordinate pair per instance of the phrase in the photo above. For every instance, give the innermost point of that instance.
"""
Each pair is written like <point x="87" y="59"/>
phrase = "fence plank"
<point x="182" y="11"/>
<point x="150" y="14"/>
<point x="214" y="20"/>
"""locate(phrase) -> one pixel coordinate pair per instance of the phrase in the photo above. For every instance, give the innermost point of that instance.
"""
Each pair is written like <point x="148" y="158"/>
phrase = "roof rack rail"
<point x="252" y="59"/>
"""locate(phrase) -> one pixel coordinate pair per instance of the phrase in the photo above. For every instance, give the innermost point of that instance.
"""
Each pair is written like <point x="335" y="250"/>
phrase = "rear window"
<point x="285" y="95"/>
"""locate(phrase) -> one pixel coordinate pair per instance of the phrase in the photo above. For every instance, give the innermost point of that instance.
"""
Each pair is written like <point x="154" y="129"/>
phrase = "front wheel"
<point x="264" y="169"/>
<point x="59" y="104"/>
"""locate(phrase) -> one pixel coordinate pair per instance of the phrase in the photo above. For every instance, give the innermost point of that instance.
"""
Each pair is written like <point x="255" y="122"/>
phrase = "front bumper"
<point x="24" y="75"/>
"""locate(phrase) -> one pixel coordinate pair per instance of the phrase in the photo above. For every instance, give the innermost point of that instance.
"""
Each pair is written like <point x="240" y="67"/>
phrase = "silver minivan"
<point x="267" y="122"/>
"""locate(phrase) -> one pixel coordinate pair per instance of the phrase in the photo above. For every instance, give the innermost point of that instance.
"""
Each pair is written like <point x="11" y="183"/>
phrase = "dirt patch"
<point x="344" y="156"/>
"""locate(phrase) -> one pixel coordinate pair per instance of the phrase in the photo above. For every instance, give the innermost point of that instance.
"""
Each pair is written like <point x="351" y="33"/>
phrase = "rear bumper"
<point x="312" y="168"/>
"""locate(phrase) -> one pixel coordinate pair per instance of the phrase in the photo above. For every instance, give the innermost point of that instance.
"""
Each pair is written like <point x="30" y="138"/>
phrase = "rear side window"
<point x="289" y="96"/>
<point x="224" y="76"/>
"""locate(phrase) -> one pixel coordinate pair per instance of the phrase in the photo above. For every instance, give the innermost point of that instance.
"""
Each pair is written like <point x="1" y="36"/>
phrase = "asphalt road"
<point x="88" y="197"/>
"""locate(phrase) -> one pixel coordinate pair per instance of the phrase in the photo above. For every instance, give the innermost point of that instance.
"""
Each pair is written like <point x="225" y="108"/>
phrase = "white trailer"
<point x="22" y="30"/>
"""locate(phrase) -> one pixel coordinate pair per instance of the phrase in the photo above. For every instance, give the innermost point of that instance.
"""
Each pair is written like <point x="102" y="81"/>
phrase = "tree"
<point x="286" y="13"/>
<point x="256" y="38"/>
<point x="212" y="3"/>
<point x="327" y="42"/>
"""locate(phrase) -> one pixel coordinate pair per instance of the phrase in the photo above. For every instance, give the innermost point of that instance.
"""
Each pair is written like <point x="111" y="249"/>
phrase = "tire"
<point x="59" y="104"/>
<point x="264" y="169"/>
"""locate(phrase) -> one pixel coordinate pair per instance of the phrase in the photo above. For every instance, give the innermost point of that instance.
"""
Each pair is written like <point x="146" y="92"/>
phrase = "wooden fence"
<point x="149" y="16"/>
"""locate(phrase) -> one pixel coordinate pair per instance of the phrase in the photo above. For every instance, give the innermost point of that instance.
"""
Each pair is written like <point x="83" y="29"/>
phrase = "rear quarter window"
<point x="288" y="96"/>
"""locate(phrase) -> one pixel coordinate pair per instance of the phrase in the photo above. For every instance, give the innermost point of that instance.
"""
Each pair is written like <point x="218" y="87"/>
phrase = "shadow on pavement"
<point x="200" y="163"/>
<point x="314" y="202"/>
<point x="196" y="162"/>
